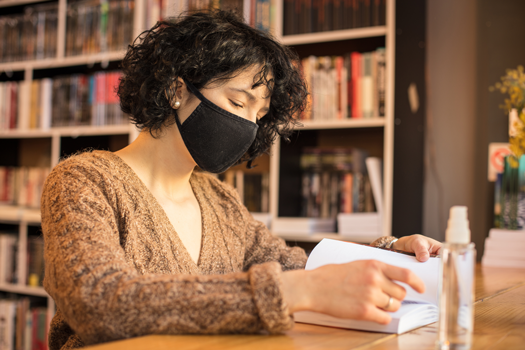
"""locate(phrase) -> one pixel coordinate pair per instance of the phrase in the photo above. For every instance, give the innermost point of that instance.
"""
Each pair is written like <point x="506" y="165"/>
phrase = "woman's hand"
<point x="359" y="290"/>
<point x="421" y="245"/>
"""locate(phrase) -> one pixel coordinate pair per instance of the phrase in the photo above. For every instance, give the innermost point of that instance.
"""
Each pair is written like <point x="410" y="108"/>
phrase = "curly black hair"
<point x="206" y="47"/>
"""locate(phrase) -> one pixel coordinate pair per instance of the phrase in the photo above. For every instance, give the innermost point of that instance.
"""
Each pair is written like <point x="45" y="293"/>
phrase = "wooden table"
<point x="499" y="324"/>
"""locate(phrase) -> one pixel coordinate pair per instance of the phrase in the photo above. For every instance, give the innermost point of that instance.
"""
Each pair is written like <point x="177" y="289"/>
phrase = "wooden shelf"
<point x="73" y="131"/>
<point x="318" y="237"/>
<point x="22" y="289"/>
<point x="341" y="124"/>
<point x="336" y="35"/>
<point x="12" y="213"/>
<point x="7" y="3"/>
<point x="62" y="62"/>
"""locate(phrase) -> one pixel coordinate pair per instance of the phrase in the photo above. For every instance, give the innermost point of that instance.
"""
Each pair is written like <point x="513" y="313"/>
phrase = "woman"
<point x="137" y="242"/>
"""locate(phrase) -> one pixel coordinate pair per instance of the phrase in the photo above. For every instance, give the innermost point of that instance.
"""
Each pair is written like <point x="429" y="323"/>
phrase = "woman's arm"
<point x="103" y="297"/>
<point x="262" y="246"/>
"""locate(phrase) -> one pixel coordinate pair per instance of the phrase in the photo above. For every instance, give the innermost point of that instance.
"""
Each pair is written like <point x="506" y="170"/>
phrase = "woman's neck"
<point x="163" y="163"/>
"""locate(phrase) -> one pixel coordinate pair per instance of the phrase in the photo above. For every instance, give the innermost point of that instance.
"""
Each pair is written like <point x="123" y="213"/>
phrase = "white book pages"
<point x="416" y="310"/>
<point x="330" y="251"/>
<point x="408" y="317"/>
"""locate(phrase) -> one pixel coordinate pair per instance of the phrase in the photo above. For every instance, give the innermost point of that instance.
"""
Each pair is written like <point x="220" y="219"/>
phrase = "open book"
<point x="416" y="310"/>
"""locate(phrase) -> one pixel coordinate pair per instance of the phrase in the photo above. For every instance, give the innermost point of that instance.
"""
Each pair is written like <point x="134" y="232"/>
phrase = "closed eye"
<point x="236" y="104"/>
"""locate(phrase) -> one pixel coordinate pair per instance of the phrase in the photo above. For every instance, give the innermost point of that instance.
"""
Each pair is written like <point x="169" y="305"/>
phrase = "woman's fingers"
<point x="374" y="314"/>
<point x="393" y="289"/>
<point x="420" y="245"/>
<point x="404" y="275"/>
<point x="389" y="305"/>
<point x="421" y="248"/>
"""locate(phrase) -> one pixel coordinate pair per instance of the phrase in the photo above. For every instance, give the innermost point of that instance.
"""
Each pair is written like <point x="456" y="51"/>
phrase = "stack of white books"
<point x="504" y="248"/>
<point x="301" y="226"/>
<point x="360" y="224"/>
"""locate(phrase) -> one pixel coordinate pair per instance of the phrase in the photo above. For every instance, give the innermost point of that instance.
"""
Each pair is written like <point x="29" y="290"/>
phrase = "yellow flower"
<point x="513" y="84"/>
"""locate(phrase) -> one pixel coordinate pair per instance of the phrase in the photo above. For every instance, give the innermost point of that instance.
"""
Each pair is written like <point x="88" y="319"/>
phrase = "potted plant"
<point x="512" y="195"/>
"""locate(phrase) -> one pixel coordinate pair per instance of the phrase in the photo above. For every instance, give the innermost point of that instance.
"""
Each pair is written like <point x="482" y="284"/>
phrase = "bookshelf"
<point x="338" y="42"/>
<point x="46" y="145"/>
<point x="380" y="130"/>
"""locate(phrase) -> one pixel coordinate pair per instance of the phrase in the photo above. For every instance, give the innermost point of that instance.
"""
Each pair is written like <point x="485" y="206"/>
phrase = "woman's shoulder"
<point x="87" y="166"/>
<point x="88" y="161"/>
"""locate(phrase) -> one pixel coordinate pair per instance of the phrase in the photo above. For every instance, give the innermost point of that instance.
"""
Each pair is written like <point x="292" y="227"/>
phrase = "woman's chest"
<point x="166" y="239"/>
<point x="186" y="219"/>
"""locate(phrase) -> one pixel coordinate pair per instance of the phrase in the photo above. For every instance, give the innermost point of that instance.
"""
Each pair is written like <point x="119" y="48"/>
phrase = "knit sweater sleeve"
<point x="103" y="297"/>
<point x="262" y="246"/>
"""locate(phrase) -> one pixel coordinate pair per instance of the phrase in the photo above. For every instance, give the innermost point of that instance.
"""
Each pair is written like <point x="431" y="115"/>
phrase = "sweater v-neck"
<point x="174" y="236"/>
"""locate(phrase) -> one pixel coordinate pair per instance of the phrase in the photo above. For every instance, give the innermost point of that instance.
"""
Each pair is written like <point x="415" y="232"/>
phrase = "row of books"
<point x="9" y="267"/>
<point x="310" y="16"/>
<point x="334" y="181"/>
<point x="22" y="186"/>
<point x="23" y="327"/>
<point x="31" y="35"/>
<point x="71" y="100"/>
<point x="94" y="26"/>
<point x="256" y="13"/>
<point x="358" y="215"/>
<point x="342" y="87"/>
<point x="327" y="194"/>
<point x="253" y="188"/>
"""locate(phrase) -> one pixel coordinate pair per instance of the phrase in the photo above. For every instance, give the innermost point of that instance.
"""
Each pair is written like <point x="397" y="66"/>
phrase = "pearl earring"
<point x="176" y="105"/>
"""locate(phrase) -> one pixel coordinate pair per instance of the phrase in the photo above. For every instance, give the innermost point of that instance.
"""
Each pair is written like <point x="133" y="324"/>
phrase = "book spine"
<point x="46" y="100"/>
<point x="367" y="86"/>
<point x="3" y="105"/>
<point x="356" y="85"/>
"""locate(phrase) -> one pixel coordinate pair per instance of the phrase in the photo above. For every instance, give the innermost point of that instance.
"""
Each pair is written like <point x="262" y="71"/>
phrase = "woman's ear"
<point x="174" y="93"/>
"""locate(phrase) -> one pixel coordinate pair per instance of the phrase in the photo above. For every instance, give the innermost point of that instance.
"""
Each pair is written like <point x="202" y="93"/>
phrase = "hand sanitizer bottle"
<point x="456" y="284"/>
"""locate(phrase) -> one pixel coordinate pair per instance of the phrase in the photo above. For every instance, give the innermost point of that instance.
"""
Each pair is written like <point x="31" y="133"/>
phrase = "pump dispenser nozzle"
<point x="458" y="226"/>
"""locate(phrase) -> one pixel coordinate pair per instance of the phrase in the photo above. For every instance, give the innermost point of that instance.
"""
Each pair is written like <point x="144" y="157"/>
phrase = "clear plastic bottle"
<point x="456" y="284"/>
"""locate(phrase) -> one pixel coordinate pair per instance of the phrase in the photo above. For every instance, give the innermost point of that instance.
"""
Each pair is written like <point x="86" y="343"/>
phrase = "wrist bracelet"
<point x="389" y="245"/>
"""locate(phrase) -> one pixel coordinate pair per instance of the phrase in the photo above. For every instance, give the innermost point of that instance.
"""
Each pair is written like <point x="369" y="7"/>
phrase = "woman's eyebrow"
<point x="251" y="96"/>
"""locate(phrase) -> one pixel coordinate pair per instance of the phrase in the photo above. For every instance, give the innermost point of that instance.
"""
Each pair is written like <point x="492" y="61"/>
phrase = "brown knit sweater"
<point x="116" y="268"/>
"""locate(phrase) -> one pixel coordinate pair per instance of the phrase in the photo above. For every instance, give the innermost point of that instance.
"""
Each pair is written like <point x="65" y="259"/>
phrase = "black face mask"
<point x="215" y="138"/>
